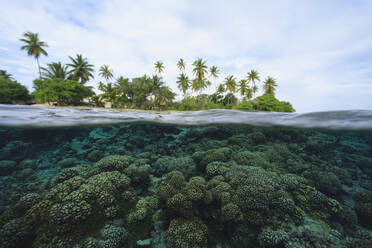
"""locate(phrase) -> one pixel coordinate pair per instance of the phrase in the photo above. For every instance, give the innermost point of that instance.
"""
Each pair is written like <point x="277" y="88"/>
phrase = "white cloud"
<point x="317" y="51"/>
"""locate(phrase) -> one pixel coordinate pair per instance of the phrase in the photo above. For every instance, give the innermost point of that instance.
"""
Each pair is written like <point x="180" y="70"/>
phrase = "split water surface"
<point x="218" y="178"/>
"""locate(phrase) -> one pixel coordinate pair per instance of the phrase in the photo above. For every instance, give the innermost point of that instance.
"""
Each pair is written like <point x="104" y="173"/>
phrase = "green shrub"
<point x="188" y="103"/>
<point x="212" y="105"/>
<point x="268" y="102"/>
<point x="12" y="91"/>
<point x="244" y="105"/>
<point x="64" y="92"/>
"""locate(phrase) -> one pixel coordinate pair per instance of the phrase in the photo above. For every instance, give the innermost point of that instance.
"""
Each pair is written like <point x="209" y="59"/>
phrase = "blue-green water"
<point x="90" y="178"/>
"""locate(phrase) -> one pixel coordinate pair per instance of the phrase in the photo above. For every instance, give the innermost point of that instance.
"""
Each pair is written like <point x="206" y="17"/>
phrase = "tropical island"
<point x="65" y="85"/>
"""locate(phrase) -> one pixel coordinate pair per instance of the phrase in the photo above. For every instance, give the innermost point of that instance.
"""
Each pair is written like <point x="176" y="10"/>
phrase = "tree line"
<point x="65" y="84"/>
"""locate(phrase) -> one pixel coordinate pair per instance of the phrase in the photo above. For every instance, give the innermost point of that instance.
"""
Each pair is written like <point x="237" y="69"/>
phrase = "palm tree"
<point x="105" y="72"/>
<point x="229" y="99"/>
<point x="244" y="89"/>
<point x="181" y="64"/>
<point x="200" y="69"/>
<point x="157" y="83"/>
<point x="4" y="74"/>
<point x="221" y="89"/>
<point x="125" y="87"/>
<point x="159" y="67"/>
<point x="110" y="93"/>
<point x="183" y="83"/>
<point x="230" y="84"/>
<point x="55" y="70"/>
<point x="123" y="84"/>
<point x="252" y="77"/>
<point x="199" y="84"/>
<point x="81" y="69"/>
<point x="214" y="72"/>
<point x="34" y="47"/>
<point x="165" y="95"/>
<point x="270" y="85"/>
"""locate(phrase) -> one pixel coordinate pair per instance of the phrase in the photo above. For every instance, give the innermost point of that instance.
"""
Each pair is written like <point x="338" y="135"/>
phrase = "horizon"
<point x="314" y="50"/>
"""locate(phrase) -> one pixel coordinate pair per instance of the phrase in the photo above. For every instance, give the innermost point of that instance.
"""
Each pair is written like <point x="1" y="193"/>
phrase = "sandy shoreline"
<point x="117" y="109"/>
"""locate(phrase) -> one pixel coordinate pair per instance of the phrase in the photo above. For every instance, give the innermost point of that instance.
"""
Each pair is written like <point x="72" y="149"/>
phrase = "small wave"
<point x="39" y="117"/>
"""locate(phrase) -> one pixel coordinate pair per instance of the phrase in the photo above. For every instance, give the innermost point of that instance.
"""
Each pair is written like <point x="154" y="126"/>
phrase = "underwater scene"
<point x="94" y="179"/>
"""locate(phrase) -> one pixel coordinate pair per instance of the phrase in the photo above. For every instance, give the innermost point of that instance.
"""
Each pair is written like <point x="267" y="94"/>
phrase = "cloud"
<point x="320" y="52"/>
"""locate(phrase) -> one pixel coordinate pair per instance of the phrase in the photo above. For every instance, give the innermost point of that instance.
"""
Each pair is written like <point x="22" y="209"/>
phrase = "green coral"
<point x="140" y="174"/>
<point x="251" y="159"/>
<point x="27" y="201"/>
<point x="348" y="216"/>
<point x="166" y="164"/>
<point x="113" y="162"/>
<point x="244" y="194"/>
<point x="13" y="234"/>
<point x="216" y="168"/>
<point x="62" y="216"/>
<point x="145" y="207"/>
<point x="255" y="187"/>
<point x="272" y="238"/>
<point x="221" y="191"/>
<point x="196" y="189"/>
<point x="254" y="217"/>
<point x="221" y="154"/>
<point x="170" y="185"/>
<point x="231" y="212"/>
<point x="75" y="195"/>
<point x="184" y="233"/>
<point x="181" y="204"/>
<point x="38" y="214"/>
<point x="113" y="236"/>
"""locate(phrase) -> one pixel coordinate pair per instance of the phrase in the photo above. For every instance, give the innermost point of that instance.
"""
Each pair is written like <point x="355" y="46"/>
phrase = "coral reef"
<point x="186" y="233"/>
<point x="170" y="186"/>
<point x="167" y="164"/>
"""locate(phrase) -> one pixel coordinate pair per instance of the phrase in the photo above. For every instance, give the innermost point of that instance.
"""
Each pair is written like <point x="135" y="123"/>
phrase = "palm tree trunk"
<point x="199" y="103"/>
<point x="38" y="66"/>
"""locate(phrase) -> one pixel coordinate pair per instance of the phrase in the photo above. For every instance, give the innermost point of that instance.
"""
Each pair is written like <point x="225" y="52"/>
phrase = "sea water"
<point x="218" y="178"/>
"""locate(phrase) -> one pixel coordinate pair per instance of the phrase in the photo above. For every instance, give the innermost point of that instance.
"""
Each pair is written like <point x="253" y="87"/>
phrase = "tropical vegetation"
<point x="106" y="72"/>
<point x="64" y="84"/>
<point x="6" y="75"/>
<point x="81" y="70"/>
<point x="268" y="102"/>
<point x="55" y="70"/>
<point x="159" y="67"/>
<point x="34" y="46"/>
<point x="252" y="77"/>
<point x="63" y="92"/>
<point x="12" y="91"/>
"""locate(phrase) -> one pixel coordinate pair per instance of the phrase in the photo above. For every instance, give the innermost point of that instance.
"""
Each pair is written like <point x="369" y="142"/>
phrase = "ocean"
<point x="218" y="178"/>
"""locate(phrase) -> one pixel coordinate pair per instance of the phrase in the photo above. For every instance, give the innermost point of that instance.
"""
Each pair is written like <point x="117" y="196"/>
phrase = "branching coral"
<point x="184" y="233"/>
<point x="237" y="186"/>
<point x="166" y="164"/>
<point x="220" y="154"/>
<point x="113" y="162"/>
<point x="144" y="208"/>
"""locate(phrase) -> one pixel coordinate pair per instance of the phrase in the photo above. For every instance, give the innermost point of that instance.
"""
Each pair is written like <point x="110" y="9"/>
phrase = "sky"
<point x="319" y="51"/>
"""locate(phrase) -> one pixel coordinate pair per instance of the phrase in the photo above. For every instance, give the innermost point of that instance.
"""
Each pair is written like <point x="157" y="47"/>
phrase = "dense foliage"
<point x="12" y="91"/>
<point x="6" y="75"/>
<point x="268" y="102"/>
<point x="63" y="84"/>
<point x="143" y="92"/>
<point x="244" y="105"/>
<point x="63" y="92"/>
